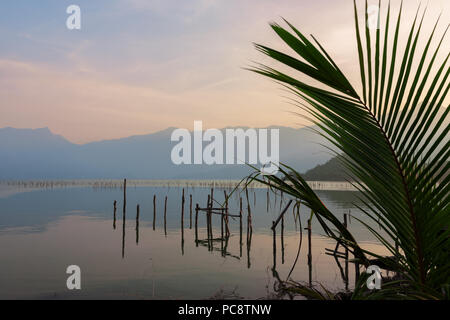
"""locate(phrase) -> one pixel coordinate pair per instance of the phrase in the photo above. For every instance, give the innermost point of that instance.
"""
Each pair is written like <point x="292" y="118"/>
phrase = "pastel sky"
<point x="139" y="66"/>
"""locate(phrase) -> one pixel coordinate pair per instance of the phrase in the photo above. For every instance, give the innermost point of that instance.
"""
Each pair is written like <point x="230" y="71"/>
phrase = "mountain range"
<point x="41" y="154"/>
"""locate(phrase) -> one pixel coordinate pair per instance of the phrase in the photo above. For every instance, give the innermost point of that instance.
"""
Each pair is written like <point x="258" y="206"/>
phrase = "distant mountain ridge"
<point x="332" y="170"/>
<point x="40" y="154"/>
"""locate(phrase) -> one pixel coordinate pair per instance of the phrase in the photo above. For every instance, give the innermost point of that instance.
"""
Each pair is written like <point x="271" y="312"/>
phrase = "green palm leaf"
<point x="394" y="141"/>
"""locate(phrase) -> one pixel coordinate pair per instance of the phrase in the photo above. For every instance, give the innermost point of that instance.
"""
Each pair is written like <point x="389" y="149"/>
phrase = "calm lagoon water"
<point x="42" y="231"/>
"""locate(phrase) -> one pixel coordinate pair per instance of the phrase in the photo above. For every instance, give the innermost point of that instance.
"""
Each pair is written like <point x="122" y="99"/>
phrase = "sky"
<point x="140" y="66"/>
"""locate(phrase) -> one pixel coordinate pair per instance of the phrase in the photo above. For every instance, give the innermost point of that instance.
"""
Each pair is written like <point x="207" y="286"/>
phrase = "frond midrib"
<point x="406" y="190"/>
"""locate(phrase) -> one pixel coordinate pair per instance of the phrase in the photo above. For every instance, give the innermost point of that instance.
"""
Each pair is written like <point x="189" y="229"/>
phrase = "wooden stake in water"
<point x="154" y="211"/>
<point x="124" y="194"/>
<point x="190" y="211"/>
<point x="227" y="228"/>
<point x="240" y="226"/>
<point x="207" y="222"/>
<point x="249" y="215"/>
<point x="182" y="223"/>
<point x="221" y="230"/>
<point x="182" y="210"/>
<point x="211" y="236"/>
<point x="196" y="224"/>
<point x="137" y="224"/>
<point x="114" y="218"/>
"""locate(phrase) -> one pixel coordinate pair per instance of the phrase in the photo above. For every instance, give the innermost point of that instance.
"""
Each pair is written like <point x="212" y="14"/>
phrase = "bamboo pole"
<point x="124" y="194"/>
<point x="114" y="217"/>
<point x="196" y="224"/>
<point x="221" y="230"/>
<point x="211" y="236"/>
<point x="207" y="224"/>
<point x="240" y="226"/>
<point x="212" y="197"/>
<point x="182" y="223"/>
<point x="227" y="228"/>
<point x="281" y="214"/>
<point x="137" y="224"/>
<point x="249" y="214"/>
<point x="182" y="210"/>
<point x="190" y="211"/>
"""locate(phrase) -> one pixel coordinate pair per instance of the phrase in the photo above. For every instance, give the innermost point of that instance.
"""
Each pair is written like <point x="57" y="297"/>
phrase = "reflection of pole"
<point x="249" y="245"/>
<point x="274" y="245"/>
<point x="182" y="242"/>
<point x="282" y="240"/>
<point x="123" y="231"/>
<point x="346" y="256"/>
<point x="154" y="210"/>
<point x="165" y="216"/>
<point x="309" y="254"/>
<point x="226" y="246"/>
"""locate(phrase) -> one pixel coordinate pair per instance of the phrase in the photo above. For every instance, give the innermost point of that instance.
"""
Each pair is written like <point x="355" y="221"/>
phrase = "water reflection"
<point x="168" y="260"/>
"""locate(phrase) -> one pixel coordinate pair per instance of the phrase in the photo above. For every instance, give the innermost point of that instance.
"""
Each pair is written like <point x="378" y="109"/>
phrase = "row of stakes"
<point x="210" y="210"/>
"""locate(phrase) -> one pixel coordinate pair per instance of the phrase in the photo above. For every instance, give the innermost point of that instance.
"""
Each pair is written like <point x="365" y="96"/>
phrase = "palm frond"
<point x="394" y="138"/>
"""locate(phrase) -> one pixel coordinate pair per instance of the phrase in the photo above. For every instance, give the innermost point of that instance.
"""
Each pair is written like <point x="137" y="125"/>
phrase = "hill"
<point x="332" y="170"/>
<point x="40" y="154"/>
